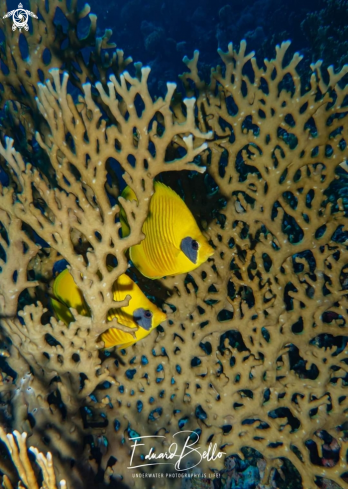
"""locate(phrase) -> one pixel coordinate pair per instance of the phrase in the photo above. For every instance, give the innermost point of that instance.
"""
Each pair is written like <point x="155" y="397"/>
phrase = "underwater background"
<point x="250" y="352"/>
<point x="160" y="34"/>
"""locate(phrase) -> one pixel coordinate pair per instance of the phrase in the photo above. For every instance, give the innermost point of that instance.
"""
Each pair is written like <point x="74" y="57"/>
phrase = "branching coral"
<point x="16" y="445"/>
<point x="253" y="354"/>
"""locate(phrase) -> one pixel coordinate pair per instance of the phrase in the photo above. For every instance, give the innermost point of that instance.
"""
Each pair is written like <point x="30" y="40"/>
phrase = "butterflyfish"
<point x="173" y="242"/>
<point x="140" y="312"/>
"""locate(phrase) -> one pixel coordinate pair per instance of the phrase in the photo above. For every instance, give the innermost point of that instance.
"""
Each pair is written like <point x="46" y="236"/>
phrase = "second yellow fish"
<point x="140" y="313"/>
<point x="173" y="242"/>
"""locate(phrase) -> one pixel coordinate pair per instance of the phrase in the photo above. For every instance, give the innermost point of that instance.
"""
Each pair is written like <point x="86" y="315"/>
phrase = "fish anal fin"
<point x="116" y="337"/>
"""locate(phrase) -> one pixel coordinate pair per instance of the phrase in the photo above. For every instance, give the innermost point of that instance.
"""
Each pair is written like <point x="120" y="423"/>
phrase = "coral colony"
<point x="252" y="357"/>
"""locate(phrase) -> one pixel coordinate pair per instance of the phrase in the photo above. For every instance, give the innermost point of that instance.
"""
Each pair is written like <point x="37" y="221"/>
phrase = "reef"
<point x="16" y="446"/>
<point x="327" y="32"/>
<point x="253" y="355"/>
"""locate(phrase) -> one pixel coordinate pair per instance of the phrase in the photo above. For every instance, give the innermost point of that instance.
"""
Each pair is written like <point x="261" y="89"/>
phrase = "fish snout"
<point x="205" y="251"/>
<point x="159" y="317"/>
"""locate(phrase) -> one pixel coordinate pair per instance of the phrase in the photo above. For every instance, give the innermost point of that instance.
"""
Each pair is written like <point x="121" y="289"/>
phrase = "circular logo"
<point x="20" y="19"/>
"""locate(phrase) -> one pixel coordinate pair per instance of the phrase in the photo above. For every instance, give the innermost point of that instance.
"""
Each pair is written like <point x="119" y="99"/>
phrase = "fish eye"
<point x="194" y="245"/>
<point x="143" y="318"/>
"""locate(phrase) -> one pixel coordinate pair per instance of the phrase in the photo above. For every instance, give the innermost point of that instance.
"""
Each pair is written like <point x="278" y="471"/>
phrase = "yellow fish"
<point x="140" y="312"/>
<point x="68" y="295"/>
<point x="173" y="242"/>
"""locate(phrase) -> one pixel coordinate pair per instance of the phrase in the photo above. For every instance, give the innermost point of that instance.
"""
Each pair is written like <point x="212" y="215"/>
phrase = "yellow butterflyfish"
<point x="173" y="242"/>
<point x="140" y="313"/>
<point x="67" y="295"/>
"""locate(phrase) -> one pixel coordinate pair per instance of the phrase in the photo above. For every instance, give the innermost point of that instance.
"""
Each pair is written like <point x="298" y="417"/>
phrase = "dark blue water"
<point x="159" y="33"/>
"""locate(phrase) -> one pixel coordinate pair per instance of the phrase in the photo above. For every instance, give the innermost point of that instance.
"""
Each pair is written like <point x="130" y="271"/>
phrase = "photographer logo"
<point x="20" y="18"/>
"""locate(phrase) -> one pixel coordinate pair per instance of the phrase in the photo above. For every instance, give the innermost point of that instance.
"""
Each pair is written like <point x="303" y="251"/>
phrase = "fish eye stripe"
<point x="143" y="318"/>
<point x="188" y="247"/>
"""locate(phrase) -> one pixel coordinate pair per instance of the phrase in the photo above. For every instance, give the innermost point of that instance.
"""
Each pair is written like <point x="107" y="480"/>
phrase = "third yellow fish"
<point x="173" y="242"/>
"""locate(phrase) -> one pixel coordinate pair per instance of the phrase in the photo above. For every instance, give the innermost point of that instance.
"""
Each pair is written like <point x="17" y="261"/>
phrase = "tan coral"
<point x="16" y="445"/>
<point x="226" y="386"/>
<point x="235" y="358"/>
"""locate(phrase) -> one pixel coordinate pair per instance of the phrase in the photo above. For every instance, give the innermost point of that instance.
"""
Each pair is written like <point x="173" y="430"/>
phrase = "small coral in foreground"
<point x="16" y="445"/>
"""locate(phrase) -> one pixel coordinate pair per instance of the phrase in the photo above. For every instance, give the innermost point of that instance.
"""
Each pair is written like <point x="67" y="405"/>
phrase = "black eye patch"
<point x="143" y="318"/>
<point x="190" y="247"/>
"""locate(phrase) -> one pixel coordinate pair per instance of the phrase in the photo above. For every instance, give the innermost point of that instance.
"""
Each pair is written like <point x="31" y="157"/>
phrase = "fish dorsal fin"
<point x="128" y="194"/>
<point x="122" y="286"/>
<point x="166" y="192"/>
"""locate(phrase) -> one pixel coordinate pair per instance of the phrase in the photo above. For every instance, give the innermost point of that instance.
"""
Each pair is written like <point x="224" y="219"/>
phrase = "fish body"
<point x="140" y="312"/>
<point x="173" y="242"/>
<point x="68" y="295"/>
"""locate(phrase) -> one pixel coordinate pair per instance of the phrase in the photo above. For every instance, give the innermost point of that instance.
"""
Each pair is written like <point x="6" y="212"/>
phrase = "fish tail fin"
<point x="62" y="312"/>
